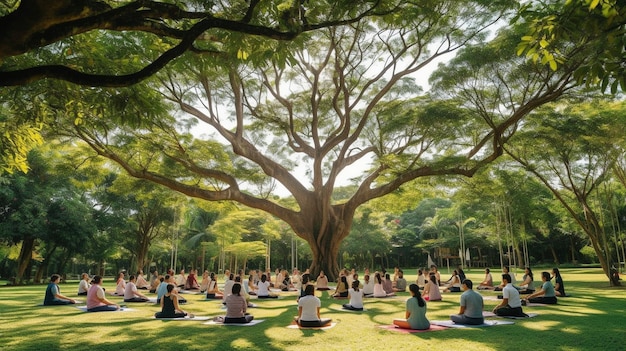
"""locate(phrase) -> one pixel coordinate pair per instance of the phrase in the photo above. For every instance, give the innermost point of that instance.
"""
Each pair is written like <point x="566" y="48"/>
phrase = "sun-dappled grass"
<point x="592" y="318"/>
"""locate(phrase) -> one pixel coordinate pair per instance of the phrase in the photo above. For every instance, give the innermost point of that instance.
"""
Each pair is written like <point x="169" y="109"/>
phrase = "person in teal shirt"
<point x="415" y="312"/>
<point x="546" y="295"/>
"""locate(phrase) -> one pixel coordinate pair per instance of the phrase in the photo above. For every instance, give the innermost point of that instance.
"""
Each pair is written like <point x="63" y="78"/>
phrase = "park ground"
<point x="593" y="318"/>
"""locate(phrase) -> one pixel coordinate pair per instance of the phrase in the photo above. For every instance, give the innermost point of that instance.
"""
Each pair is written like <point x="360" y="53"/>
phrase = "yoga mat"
<point x="295" y="325"/>
<point x="187" y="318"/>
<point x="253" y="322"/>
<point x="123" y="309"/>
<point x="451" y="324"/>
<point x="392" y="327"/>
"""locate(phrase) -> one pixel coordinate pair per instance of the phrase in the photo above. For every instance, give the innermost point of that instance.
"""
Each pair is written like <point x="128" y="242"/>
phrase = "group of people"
<point x="236" y="293"/>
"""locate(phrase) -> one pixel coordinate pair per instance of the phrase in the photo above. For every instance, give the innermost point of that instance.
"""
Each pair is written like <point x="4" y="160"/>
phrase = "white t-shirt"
<point x="130" y="290"/>
<point x="368" y="287"/>
<point x="356" y="298"/>
<point x="83" y="286"/>
<point x="509" y="292"/>
<point x="263" y="288"/>
<point x="309" y="304"/>
<point x="228" y="287"/>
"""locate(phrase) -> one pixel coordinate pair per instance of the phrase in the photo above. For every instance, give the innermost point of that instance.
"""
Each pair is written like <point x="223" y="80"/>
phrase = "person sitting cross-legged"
<point x="415" y="312"/>
<point x="131" y="294"/>
<point x="236" y="307"/>
<point x="96" y="300"/>
<point x="511" y="304"/>
<point x="356" y="297"/>
<point x="545" y="295"/>
<point x="53" y="293"/>
<point x="471" y="311"/>
<point x="309" y="310"/>
<point x="169" y="305"/>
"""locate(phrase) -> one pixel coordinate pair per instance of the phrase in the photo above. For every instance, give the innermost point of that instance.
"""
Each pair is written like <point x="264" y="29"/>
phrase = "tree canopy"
<point x="33" y="28"/>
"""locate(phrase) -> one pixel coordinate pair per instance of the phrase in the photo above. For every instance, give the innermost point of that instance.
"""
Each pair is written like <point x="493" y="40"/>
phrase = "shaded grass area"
<point x="592" y="318"/>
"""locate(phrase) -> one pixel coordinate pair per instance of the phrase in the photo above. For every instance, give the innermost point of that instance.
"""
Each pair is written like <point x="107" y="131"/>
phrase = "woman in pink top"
<point x="431" y="290"/>
<point x="96" y="301"/>
<point x="120" y="288"/>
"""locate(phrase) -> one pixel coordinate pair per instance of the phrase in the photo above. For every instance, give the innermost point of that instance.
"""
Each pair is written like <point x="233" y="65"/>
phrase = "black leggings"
<point x="239" y="320"/>
<point x="547" y="300"/>
<point x="317" y="323"/>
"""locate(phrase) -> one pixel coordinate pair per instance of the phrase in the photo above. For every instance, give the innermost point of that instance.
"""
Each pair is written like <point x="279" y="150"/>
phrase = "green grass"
<point x="591" y="319"/>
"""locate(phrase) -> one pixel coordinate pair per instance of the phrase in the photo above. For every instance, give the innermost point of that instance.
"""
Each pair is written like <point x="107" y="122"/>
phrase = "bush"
<point x="588" y="255"/>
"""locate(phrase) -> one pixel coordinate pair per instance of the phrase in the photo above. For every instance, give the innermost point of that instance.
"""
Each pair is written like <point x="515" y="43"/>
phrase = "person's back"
<point x="473" y="303"/>
<point x="161" y="290"/>
<point x="368" y="287"/>
<point x="433" y="292"/>
<point x="309" y="305"/>
<point x="509" y="292"/>
<point x="417" y="318"/>
<point x="235" y="306"/>
<point x="228" y="287"/>
<point x="356" y="298"/>
<point x="401" y="284"/>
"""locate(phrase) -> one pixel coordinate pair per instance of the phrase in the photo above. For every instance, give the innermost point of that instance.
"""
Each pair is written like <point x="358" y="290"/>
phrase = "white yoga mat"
<point x="451" y="324"/>
<point x="296" y="326"/>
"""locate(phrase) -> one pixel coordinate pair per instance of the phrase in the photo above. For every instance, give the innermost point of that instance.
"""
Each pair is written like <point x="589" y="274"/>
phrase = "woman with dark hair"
<point x="431" y="290"/>
<point x="342" y="287"/>
<point x="236" y="307"/>
<point x="487" y="283"/>
<point x="545" y="294"/>
<point x="527" y="286"/>
<point x="96" y="301"/>
<point x="212" y="291"/>
<point x="309" y="310"/>
<point x="356" y="297"/>
<point x="263" y="287"/>
<point x="379" y="291"/>
<point x="415" y="311"/>
<point x="388" y="285"/>
<point x="169" y="305"/>
<point x="559" y="288"/>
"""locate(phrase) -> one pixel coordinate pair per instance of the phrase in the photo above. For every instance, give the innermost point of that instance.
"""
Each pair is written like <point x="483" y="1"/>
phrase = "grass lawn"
<point x="593" y="318"/>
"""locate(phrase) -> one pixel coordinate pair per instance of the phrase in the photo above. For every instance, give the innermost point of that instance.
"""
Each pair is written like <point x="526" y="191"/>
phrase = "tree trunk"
<point x="44" y="265"/>
<point x="26" y="253"/>
<point x="325" y="253"/>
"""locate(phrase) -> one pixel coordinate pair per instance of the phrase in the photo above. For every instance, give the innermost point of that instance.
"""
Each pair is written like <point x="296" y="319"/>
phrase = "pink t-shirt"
<point x="93" y="295"/>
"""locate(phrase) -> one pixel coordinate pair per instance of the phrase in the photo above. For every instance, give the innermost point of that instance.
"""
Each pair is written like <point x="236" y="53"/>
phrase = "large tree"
<point x="572" y="149"/>
<point x="346" y="106"/>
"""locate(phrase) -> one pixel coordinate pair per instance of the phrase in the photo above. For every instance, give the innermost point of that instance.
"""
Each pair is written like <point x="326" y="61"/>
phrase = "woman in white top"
<point x="83" y="286"/>
<point x="212" y="291"/>
<point x="356" y="297"/>
<point x="120" y="288"/>
<point x="421" y="279"/>
<point x="487" y="283"/>
<point x="263" y="289"/>
<point x="309" y="310"/>
<point x="322" y="282"/>
<point x="379" y="291"/>
<point x="368" y="286"/>
<point x="204" y="284"/>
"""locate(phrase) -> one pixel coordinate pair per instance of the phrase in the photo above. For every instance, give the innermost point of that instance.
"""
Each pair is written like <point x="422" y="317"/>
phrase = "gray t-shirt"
<point x="473" y="303"/>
